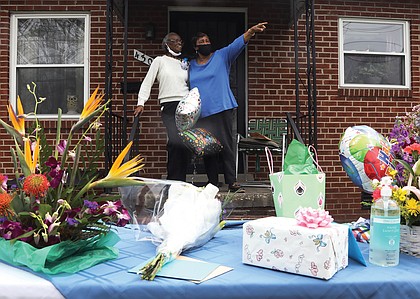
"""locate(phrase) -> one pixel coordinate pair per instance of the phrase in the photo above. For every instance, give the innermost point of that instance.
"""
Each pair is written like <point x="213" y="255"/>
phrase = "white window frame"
<point x="13" y="56"/>
<point x="407" y="55"/>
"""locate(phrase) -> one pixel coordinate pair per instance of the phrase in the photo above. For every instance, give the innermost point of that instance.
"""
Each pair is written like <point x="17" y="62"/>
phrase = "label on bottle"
<point x="385" y="240"/>
<point x="386" y="220"/>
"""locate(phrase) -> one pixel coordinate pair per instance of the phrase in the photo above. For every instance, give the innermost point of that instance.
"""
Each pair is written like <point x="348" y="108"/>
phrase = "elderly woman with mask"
<point x="172" y="74"/>
<point x="210" y="73"/>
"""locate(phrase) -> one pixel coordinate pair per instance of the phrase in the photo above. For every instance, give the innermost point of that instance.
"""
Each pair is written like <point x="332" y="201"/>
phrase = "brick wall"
<point x="271" y="76"/>
<point x="341" y="108"/>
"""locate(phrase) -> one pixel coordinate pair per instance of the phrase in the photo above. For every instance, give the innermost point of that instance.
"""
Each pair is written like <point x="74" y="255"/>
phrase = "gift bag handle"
<point x="269" y="159"/>
<point x="311" y="147"/>
<point x="311" y="150"/>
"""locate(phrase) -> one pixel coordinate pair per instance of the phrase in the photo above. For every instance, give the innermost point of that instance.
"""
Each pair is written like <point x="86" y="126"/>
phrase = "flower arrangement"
<point x="55" y="197"/>
<point x="405" y="148"/>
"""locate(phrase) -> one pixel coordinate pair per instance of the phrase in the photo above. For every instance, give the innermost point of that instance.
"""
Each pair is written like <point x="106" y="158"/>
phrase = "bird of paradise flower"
<point x="119" y="174"/>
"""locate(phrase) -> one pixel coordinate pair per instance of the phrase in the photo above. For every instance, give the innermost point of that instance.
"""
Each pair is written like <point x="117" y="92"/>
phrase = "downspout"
<point x="296" y="45"/>
<point x="124" y="134"/>
<point x="108" y="84"/>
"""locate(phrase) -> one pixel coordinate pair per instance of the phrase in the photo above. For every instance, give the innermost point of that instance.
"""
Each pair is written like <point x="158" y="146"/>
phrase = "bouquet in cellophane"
<point x="184" y="217"/>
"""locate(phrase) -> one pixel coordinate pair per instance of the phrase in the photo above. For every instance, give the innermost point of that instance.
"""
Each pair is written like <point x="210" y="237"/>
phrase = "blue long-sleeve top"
<point x="212" y="79"/>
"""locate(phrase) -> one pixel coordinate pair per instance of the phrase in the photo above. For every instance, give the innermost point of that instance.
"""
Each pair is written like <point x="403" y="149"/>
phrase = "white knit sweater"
<point x="172" y="80"/>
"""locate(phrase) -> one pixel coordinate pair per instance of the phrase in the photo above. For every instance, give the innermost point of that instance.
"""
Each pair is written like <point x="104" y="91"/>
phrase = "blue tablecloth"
<point x="111" y="279"/>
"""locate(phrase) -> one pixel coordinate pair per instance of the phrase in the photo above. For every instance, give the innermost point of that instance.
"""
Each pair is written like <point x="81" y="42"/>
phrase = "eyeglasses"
<point x="176" y="41"/>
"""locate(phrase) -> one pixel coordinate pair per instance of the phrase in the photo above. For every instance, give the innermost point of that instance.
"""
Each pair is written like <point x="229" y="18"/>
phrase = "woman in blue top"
<point x="210" y="73"/>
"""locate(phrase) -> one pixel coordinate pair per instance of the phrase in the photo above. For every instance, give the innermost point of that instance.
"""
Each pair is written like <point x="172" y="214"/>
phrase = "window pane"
<point x="373" y="69"/>
<point x="378" y="37"/>
<point x="50" y="41"/>
<point x="57" y="85"/>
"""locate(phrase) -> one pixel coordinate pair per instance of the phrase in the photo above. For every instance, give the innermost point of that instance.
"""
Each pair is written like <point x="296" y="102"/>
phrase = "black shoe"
<point x="236" y="187"/>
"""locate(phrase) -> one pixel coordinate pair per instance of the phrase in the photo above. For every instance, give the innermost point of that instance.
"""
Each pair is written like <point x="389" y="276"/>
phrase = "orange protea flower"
<point x="36" y="185"/>
<point x="5" y="200"/>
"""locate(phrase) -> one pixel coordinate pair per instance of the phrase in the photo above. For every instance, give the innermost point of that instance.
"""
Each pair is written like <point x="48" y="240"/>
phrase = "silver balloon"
<point x="188" y="110"/>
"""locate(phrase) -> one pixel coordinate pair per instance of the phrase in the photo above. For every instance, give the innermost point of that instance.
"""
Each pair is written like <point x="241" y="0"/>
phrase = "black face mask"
<point x="204" y="50"/>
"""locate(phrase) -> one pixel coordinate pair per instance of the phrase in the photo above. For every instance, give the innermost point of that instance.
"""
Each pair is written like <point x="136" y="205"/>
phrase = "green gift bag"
<point x="301" y="183"/>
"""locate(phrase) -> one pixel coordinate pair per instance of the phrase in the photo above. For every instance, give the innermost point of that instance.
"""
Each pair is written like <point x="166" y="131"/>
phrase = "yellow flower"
<point x="118" y="174"/>
<point x="123" y="171"/>
<point x="399" y="194"/>
<point x="31" y="160"/>
<point x="393" y="173"/>
<point x="92" y="104"/>
<point x="18" y="121"/>
<point x="412" y="207"/>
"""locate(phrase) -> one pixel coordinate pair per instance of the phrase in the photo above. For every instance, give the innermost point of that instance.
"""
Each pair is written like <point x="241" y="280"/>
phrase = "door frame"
<point x="239" y="127"/>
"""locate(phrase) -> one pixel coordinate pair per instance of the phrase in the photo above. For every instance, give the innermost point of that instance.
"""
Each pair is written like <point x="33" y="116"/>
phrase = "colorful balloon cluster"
<point x="365" y="155"/>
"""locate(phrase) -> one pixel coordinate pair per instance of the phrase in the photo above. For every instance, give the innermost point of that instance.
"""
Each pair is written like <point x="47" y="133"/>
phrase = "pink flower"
<point x="72" y="154"/>
<point x="33" y="146"/>
<point x="376" y="194"/>
<point x="413" y="147"/>
<point x="61" y="146"/>
<point x="123" y="218"/>
<point x="3" y="181"/>
<point x="110" y="208"/>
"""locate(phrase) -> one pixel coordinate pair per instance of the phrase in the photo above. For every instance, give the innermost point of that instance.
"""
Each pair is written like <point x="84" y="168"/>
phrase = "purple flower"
<point x="53" y="163"/>
<point x="93" y="205"/>
<point x="56" y="172"/>
<point x="72" y="221"/>
<point x="56" y="178"/>
<point x="123" y="218"/>
<point x="61" y="147"/>
<point x="10" y="230"/>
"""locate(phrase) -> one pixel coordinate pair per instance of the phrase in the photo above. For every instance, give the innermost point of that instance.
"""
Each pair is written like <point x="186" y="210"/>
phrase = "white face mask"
<point x="172" y="52"/>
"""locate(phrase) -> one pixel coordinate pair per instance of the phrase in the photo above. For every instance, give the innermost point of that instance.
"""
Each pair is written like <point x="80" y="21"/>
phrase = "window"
<point x="51" y="51"/>
<point x="374" y="53"/>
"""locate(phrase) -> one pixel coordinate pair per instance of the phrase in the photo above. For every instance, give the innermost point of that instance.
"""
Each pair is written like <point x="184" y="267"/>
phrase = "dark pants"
<point x="220" y="125"/>
<point x="178" y="153"/>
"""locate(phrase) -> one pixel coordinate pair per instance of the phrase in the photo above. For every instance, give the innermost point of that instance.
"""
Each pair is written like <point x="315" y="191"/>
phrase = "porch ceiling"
<point x="119" y="6"/>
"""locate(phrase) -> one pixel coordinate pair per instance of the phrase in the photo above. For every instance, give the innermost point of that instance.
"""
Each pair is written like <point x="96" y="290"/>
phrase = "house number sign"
<point x="143" y="57"/>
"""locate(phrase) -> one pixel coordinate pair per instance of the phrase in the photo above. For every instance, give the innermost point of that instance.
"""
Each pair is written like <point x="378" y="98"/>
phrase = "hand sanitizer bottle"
<point x="384" y="247"/>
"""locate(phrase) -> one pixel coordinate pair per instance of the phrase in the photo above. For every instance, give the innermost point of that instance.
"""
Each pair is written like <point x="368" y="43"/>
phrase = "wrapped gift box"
<point x="279" y="243"/>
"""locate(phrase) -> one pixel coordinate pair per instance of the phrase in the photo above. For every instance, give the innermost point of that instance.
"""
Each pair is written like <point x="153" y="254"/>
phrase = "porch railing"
<point x="121" y="135"/>
<point x="297" y="128"/>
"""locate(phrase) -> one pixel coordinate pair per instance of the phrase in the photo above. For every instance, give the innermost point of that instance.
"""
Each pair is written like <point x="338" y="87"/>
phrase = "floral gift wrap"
<point x="279" y="243"/>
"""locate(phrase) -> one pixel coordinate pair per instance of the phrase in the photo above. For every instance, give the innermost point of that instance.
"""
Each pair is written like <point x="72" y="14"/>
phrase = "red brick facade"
<point x="271" y="75"/>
